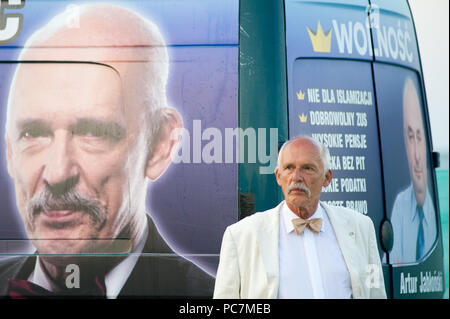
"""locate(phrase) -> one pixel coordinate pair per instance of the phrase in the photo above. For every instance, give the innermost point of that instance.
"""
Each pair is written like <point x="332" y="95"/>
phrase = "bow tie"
<point x="24" y="289"/>
<point x="314" y="224"/>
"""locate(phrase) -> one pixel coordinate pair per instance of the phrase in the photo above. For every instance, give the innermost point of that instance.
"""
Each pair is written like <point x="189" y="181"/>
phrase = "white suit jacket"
<point x="248" y="266"/>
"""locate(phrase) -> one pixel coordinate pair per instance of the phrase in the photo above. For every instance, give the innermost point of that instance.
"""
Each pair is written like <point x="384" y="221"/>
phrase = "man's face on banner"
<point x="415" y="142"/>
<point x="69" y="140"/>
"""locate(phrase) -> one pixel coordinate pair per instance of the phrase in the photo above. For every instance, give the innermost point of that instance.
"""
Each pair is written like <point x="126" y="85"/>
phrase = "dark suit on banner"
<point x="159" y="272"/>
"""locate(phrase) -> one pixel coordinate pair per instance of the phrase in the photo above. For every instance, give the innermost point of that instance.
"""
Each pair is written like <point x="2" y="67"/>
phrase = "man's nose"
<point x="60" y="172"/>
<point x="416" y="151"/>
<point x="298" y="176"/>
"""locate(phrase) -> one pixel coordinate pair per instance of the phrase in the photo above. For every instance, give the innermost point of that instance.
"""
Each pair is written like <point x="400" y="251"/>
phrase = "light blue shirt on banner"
<point x="405" y="223"/>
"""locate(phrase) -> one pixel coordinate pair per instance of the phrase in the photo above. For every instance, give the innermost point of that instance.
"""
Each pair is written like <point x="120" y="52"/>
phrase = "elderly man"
<point x="413" y="216"/>
<point x="87" y="125"/>
<point x="302" y="248"/>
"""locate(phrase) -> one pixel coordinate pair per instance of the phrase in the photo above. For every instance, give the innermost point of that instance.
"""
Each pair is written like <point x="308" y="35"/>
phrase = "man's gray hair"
<point x="324" y="152"/>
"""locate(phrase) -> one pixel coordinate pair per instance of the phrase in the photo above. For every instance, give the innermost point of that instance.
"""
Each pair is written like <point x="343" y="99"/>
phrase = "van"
<point x="245" y="76"/>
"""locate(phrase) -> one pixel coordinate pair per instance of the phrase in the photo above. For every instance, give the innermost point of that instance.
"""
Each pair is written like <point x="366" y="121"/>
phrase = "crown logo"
<point x="300" y="95"/>
<point x="303" y="118"/>
<point x="321" y="42"/>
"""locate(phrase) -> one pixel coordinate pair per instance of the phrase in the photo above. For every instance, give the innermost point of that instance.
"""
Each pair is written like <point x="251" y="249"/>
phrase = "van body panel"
<point x="246" y="76"/>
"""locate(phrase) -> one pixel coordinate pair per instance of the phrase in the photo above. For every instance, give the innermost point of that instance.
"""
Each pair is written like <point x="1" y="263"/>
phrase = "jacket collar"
<point x="345" y="232"/>
<point x="268" y="247"/>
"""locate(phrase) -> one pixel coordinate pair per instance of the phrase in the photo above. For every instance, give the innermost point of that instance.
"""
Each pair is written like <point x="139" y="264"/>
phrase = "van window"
<point x="410" y="193"/>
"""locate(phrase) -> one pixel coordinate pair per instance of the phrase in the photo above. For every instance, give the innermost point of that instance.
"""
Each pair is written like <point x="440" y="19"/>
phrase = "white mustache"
<point x="70" y="200"/>
<point x="300" y="186"/>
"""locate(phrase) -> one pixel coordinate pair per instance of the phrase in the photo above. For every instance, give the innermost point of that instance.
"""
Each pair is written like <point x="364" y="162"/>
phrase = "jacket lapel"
<point x="344" y="230"/>
<point x="268" y="247"/>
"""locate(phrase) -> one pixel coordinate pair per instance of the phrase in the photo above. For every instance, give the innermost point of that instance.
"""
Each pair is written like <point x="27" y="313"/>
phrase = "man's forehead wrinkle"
<point x="74" y="92"/>
<point x="304" y="144"/>
<point x="411" y="103"/>
<point x="45" y="65"/>
<point x="69" y="77"/>
<point x="412" y="114"/>
<point x="27" y="122"/>
<point x="410" y="97"/>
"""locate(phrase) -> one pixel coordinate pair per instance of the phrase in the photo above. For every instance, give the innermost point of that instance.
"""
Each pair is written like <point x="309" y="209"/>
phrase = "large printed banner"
<point x="105" y="166"/>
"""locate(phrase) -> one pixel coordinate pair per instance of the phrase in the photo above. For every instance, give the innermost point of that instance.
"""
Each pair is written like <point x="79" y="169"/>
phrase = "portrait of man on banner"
<point x="88" y="127"/>
<point x="413" y="215"/>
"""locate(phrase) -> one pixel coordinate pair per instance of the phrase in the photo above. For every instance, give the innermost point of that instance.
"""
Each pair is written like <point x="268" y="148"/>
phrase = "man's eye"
<point x="34" y="133"/>
<point x="108" y="132"/>
<point x="89" y="132"/>
<point x="419" y="137"/>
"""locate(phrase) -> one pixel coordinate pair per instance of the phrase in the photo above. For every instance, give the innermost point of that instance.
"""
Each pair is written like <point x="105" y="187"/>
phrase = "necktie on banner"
<point x="314" y="224"/>
<point x="420" y="236"/>
<point x="24" y="289"/>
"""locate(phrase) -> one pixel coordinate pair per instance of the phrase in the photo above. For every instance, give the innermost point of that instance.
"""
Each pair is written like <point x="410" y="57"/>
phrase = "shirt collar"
<point x="415" y="208"/>
<point x="288" y="215"/>
<point x="115" y="279"/>
<point x="39" y="277"/>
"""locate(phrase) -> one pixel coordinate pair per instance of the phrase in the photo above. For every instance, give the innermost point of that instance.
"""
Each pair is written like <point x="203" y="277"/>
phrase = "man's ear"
<point x="277" y="175"/>
<point x="328" y="177"/>
<point x="165" y="144"/>
<point x="8" y="156"/>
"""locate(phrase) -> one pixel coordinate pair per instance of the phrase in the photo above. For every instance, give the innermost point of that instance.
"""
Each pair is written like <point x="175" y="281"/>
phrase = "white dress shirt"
<point x="311" y="265"/>
<point x="114" y="280"/>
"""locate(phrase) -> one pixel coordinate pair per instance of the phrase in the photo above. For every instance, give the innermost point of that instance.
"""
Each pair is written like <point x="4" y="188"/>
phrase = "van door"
<point x="416" y="255"/>
<point x="408" y="167"/>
